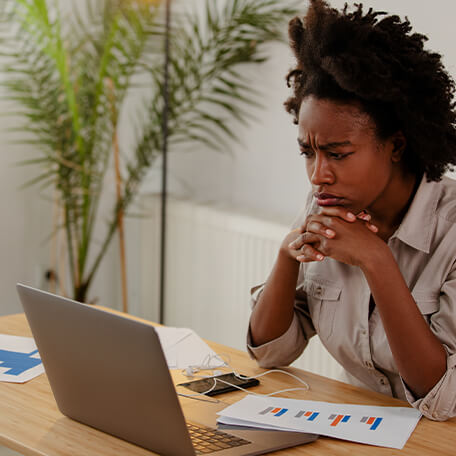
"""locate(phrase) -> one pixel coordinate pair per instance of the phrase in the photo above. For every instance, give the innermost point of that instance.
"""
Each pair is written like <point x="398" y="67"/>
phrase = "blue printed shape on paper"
<point x="16" y="362"/>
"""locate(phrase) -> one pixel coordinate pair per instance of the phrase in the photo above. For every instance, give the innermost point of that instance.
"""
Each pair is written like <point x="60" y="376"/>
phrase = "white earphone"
<point x="207" y="364"/>
<point x="190" y="372"/>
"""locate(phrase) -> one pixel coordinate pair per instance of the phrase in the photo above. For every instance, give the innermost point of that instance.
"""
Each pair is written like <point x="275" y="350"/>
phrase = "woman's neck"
<point x="387" y="213"/>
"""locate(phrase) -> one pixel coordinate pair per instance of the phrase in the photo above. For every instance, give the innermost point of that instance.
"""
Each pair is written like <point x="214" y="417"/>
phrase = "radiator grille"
<point x="214" y="257"/>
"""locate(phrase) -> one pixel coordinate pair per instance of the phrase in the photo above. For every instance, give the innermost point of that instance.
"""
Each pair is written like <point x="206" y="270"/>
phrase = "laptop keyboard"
<point x="208" y="440"/>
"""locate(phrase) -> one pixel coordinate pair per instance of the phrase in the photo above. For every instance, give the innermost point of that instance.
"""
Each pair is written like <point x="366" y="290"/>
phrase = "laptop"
<point x="109" y="372"/>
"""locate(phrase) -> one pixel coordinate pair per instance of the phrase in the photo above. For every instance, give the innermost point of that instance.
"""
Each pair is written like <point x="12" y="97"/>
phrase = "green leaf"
<point x="72" y="78"/>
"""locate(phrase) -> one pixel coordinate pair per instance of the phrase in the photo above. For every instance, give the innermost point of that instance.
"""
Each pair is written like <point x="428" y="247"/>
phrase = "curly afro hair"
<point x="373" y="59"/>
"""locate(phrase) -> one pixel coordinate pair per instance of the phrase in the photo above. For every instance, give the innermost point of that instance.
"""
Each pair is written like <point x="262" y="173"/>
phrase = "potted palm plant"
<point x="72" y="76"/>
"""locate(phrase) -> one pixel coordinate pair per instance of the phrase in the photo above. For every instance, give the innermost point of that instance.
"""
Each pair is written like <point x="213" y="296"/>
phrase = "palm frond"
<point x="71" y="77"/>
<point x="206" y="85"/>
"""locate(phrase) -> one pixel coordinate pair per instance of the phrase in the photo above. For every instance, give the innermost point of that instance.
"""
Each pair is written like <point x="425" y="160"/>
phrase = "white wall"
<point x="266" y="175"/>
<point x="24" y="220"/>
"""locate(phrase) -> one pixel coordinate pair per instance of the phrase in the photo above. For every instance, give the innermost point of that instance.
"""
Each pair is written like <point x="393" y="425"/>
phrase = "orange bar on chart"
<point x="336" y="421"/>
<point x="371" y="420"/>
<point x="276" y="410"/>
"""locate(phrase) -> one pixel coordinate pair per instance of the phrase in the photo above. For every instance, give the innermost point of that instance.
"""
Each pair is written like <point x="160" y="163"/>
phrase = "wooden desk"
<point x="31" y="424"/>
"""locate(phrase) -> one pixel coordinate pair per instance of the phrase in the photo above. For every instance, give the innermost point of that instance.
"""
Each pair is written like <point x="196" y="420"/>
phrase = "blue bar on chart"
<point x="309" y="415"/>
<point x="372" y="421"/>
<point x="338" y="419"/>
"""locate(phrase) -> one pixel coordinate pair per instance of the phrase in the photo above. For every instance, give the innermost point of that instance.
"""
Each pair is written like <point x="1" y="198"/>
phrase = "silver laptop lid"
<point x="107" y="371"/>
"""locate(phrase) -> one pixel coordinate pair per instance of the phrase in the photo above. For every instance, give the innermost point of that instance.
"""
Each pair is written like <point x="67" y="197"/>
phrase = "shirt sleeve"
<point x="439" y="404"/>
<point x="286" y="348"/>
<point x="283" y="350"/>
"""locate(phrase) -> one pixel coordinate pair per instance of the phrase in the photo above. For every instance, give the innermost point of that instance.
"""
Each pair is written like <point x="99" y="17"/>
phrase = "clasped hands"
<point x="335" y="232"/>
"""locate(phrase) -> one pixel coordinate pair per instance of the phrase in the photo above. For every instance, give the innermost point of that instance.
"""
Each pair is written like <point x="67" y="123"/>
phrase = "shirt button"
<point x="369" y="364"/>
<point x="318" y="291"/>
<point x="435" y="415"/>
<point x="425" y="407"/>
<point x="364" y="332"/>
<point x="383" y="381"/>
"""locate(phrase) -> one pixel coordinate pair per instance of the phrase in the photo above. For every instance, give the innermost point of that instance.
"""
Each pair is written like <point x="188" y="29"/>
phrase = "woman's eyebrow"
<point x="330" y="145"/>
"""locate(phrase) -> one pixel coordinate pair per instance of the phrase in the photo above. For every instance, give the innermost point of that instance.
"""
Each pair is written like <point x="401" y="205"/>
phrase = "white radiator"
<point x="214" y="257"/>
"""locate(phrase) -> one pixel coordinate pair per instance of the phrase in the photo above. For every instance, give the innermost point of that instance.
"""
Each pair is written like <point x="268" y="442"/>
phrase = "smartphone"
<point x="205" y="384"/>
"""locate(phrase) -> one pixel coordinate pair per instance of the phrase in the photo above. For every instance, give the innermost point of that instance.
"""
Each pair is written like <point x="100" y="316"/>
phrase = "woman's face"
<point x="346" y="163"/>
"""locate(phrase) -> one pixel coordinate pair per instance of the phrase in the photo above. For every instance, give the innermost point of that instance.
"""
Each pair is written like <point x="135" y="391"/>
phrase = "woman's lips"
<point x="326" y="199"/>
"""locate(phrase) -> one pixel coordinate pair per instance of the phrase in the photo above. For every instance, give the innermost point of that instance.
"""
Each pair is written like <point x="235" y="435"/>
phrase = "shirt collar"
<point x="418" y="225"/>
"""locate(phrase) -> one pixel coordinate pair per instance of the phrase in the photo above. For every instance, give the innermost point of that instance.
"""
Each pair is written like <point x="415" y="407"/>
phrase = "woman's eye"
<point x="306" y="152"/>
<point x="338" y="156"/>
<point x="309" y="153"/>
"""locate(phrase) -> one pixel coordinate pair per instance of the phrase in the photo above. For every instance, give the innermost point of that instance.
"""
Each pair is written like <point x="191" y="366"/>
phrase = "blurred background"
<point x="228" y="209"/>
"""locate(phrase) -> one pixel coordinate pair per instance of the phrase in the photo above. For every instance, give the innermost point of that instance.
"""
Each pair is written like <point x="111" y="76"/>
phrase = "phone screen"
<point x="204" y="384"/>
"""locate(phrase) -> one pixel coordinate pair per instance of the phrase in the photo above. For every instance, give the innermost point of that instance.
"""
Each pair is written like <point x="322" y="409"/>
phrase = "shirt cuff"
<point x="439" y="404"/>
<point x="255" y="294"/>
<point x="280" y="351"/>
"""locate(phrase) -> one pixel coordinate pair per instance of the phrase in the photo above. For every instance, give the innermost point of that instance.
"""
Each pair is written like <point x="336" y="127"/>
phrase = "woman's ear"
<point x="399" y="143"/>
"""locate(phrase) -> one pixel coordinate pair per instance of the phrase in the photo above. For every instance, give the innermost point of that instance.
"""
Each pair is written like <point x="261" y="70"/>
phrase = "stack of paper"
<point x="383" y="426"/>
<point x="183" y="348"/>
<point x="20" y="361"/>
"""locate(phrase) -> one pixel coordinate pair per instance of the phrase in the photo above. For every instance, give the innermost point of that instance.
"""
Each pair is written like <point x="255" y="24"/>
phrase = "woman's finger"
<point x="309" y="253"/>
<point x="338" y="211"/>
<point x="319" y="228"/>
<point x="363" y="215"/>
<point x="305" y="238"/>
<point x="372" y="227"/>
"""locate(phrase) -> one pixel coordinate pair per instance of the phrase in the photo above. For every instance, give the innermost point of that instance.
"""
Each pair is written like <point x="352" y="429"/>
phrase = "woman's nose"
<point x="321" y="172"/>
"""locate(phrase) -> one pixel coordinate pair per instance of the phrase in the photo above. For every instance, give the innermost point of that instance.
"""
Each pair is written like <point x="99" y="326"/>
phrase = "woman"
<point x="370" y="265"/>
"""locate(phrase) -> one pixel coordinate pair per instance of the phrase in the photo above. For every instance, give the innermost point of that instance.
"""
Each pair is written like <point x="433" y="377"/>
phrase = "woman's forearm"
<point x="273" y="313"/>
<point x="419" y="355"/>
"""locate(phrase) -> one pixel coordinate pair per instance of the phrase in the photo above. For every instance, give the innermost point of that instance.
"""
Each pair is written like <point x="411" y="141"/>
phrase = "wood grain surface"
<point x="31" y="423"/>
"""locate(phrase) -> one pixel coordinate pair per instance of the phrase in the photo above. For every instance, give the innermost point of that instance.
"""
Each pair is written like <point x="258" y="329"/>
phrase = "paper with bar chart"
<point x="383" y="426"/>
<point x="19" y="359"/>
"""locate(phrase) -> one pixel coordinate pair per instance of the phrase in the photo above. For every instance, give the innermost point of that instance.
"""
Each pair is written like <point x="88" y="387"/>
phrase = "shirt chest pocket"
<point x="323" y="300"/>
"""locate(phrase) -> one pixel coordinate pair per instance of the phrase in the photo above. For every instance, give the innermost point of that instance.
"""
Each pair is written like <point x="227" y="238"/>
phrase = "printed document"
<point x="183" y="347"/>
<point x="19" y="359"/>
<point x="383" y="426"/>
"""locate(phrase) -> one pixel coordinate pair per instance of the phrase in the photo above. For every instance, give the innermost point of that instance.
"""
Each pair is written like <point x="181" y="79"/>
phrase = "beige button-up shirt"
<point x="332" y="300"/>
